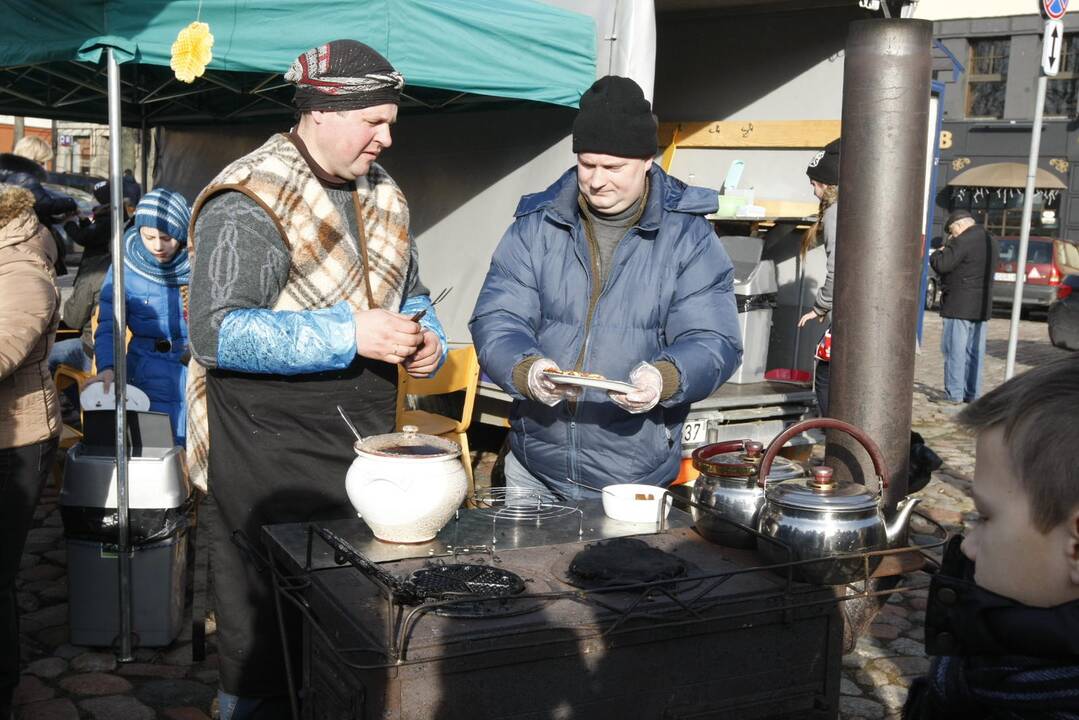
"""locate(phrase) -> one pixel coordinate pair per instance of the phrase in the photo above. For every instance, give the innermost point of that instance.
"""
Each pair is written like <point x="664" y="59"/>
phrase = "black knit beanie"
<point x="343" y="75"/>
<point x="615" y="119"/>
<point x="824" y="167"/>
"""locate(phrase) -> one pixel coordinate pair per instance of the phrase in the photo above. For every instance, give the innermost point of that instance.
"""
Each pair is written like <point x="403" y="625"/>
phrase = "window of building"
<point x="1000" y="210"/>
<point x="987" y="77"/>
<point x="1063" y="90"/>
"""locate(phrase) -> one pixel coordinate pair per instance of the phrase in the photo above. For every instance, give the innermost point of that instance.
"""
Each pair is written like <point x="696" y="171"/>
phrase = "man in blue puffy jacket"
<point x="612" y="270"/>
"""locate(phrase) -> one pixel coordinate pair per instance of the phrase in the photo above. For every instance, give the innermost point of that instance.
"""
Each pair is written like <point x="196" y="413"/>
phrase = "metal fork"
<point x="439" y="298"/>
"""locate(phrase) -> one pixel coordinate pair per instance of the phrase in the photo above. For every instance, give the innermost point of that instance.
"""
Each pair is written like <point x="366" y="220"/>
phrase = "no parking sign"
<point x="1054" y="9"/>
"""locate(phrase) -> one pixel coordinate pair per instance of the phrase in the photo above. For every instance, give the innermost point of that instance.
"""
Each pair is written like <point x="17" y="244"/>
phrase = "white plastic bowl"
<point x="629" y="502"/>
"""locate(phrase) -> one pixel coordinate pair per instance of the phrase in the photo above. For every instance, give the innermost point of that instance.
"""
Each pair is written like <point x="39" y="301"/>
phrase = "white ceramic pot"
<point x="406" y="486"/>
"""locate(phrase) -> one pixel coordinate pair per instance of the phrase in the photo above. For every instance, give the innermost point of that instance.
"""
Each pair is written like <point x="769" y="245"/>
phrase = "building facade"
<point x="988" y="119"/>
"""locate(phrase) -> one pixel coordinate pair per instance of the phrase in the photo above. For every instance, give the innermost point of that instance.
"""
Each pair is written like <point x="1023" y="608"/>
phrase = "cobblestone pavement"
<point x="65" y="682"/>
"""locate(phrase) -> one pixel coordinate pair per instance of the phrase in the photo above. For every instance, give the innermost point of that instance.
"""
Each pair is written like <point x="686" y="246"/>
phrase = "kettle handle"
<point x="704" y="454"/>
<point x="828" y="424"/>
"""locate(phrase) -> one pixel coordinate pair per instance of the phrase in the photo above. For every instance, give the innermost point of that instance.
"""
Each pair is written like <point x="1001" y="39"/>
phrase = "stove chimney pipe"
<point x="886" y="88"/>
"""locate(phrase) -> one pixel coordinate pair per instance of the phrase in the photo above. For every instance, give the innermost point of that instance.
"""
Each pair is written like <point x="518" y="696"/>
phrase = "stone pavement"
<point x="64" y="682"/>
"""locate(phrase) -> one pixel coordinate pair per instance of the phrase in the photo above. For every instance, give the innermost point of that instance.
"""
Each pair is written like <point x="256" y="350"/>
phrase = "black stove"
<point x="556" y="620"/>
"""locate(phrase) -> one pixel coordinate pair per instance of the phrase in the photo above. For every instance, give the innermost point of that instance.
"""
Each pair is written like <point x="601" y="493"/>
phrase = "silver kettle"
<point x="727" y="499"/>
<point x="820" y="519"/>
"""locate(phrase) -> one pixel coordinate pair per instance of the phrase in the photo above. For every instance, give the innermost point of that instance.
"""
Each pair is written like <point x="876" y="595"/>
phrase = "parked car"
<point x="932" y="290"/>
<point x="932" y="281"/>
<point x="1063" y="318"/>
<point x="84" y="201"/>
<point x="1042" y="275"/>
<point x="78" y="181"/>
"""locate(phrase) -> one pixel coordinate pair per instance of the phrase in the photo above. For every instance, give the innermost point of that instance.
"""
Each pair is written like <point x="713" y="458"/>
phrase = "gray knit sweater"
<point x="241" y="257"/>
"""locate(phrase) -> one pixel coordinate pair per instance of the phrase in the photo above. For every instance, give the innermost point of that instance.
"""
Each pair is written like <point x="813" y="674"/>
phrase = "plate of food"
<point x="588" y="380"/>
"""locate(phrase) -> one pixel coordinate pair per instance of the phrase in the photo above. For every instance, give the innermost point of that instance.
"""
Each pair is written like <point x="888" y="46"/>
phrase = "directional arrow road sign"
<point x="1052" y="44"/>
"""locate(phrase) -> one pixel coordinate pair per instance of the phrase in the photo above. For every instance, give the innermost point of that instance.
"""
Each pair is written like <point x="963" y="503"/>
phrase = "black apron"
<point x="279" y="452"/>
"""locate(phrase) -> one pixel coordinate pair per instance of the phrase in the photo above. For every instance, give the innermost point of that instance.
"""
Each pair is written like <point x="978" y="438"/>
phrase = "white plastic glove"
<point x="648" y="384"/>
<point x="546" y="390"/>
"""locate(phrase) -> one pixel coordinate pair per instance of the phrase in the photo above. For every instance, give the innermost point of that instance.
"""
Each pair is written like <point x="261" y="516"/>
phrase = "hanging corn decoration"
<point x="192" y="52"/>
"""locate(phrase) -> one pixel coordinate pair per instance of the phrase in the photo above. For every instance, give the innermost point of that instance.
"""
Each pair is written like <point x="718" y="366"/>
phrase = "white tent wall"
<point x="754" y="67"/>
<point x="625" y="37"/>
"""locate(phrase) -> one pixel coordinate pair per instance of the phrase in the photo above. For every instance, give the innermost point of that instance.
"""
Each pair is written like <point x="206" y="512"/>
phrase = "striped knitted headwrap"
<point x="166" y="211"/>
<point x="343" y="75"/>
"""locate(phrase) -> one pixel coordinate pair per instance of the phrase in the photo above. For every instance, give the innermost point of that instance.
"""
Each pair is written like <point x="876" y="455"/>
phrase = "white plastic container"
<point x="629" y="502"/>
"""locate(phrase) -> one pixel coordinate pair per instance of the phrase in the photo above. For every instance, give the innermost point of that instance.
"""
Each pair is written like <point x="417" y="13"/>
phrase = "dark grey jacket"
<point x="966" y="265"/>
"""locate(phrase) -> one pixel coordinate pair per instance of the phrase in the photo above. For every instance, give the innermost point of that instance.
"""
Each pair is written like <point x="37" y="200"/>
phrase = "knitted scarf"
<point x="174" y="273"/>
<point x="995" y="657"/>
<point x="328" y="265"/>
<point x="1003" y="687"/>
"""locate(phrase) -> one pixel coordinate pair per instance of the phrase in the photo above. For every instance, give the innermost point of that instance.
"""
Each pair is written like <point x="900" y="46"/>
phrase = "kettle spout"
<point x="896" y="530"/>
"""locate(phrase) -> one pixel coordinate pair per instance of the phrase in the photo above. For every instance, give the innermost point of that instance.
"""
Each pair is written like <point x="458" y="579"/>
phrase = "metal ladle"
<point x="589" y="487"/>
<point x="359" y="438"/>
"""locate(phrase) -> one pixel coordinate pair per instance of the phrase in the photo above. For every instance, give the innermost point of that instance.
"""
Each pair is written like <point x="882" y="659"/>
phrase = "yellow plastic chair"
<point x="65" y="377"/>
<point x="461" y="371"/>
<point x="69" y="436"/>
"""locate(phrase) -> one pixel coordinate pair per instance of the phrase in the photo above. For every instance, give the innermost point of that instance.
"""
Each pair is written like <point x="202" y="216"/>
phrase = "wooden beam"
<point x="672" y="145"/>
<point x="761" y="134"/>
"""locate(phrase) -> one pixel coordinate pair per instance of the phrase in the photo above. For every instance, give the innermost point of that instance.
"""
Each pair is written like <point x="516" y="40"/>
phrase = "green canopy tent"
<point x="449" y="51"/>
<point x="446" y="49"/>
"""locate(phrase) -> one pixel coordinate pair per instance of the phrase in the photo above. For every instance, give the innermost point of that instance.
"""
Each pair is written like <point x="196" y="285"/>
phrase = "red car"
<point x="1043" y="273"/>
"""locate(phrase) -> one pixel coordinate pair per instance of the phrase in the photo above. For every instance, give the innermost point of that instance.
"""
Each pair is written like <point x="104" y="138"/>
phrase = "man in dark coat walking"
<point x="966" y="264"/>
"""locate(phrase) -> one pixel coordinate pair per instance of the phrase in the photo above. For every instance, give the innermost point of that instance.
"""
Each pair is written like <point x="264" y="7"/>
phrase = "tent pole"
<point x="144" y="150"/>
<point x="144" y="141"/>
<point x="119" y="336"/>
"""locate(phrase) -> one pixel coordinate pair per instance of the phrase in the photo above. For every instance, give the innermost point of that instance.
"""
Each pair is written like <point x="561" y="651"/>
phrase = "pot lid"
<point x="746" y="463"/>
<point x="409" y="444"/>
<point x="821" y="492"/>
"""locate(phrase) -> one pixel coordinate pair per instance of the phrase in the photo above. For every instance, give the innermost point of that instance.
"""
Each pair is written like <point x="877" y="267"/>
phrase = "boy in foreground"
<point x="1003" y="613"/>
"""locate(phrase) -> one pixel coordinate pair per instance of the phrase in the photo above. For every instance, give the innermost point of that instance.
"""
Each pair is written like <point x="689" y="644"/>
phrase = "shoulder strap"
<point x="361" y="239"/>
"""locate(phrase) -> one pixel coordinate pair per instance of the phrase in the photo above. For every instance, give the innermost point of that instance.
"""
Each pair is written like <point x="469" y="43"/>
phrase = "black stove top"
<point x="696" y="619"/>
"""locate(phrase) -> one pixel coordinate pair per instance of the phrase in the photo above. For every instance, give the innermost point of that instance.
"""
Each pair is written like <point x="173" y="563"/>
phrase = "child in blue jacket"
<point x="156" y="275"/>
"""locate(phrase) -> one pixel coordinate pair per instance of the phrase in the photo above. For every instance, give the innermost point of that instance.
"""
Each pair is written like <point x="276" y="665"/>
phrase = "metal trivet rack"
<point x="446" y="581"/>
<point x="520" y="505"/>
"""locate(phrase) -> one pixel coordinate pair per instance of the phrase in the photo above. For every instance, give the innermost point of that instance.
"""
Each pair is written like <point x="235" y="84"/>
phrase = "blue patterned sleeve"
<point x="429" y="321"/>
<point x="271" y="342"/>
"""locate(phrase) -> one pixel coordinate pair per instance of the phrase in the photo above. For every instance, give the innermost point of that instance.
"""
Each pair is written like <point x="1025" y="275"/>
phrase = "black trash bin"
<point x="160" y="501"/>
